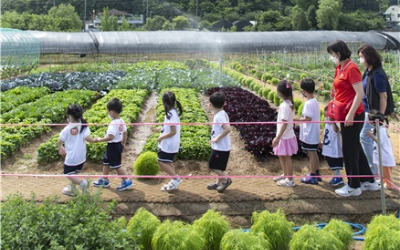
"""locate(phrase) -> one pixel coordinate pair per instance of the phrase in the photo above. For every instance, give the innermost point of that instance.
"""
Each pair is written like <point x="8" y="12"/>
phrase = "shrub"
<point x="271" y="96"/>
<point x="146" y="164"/>
<point x="258" y="75"/>
<point x="341" y="230"/>
<point x="268" y="77"/>
<point x="277" y="100"/>
<point x="275" y="227"/>
<point x="176" y="236"/>
<point x="248" y="81"/>
<point x="260" y="91"/>
<point x="238" y="240"/>
<point x="275" y="81"/>
<point x="302" y="76"/>
<point x="256" y="87"/>
<point x="142" y="226"/>
<point x="297" y="102"/>
<point x="383" y="233"/>
<point x="300" y="109"/>
<point x="263" y="77"/>
<point x="212" y="226"/>
<point x="310" y="238"/>
<point x="265" y="92"/>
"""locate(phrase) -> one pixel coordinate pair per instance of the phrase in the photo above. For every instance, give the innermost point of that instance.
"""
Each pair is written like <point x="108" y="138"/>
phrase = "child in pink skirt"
<point x="285" y="142"/>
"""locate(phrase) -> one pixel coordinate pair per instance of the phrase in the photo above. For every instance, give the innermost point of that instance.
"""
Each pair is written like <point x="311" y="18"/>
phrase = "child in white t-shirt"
<point x="72" y="144"/>
<point x="309" y="132"/>
<point x="388" y="161"/>
<point x="332" y="149"/>
<point x="220" y="142"/>
<point x="169" y="140"/>
<point x="115" y="137"/>
<point x="285" y="142"/>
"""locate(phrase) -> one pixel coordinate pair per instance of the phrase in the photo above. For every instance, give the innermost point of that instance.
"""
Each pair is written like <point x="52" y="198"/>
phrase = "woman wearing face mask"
<point x="347" y="84"/>
<point x="376" y="86"/>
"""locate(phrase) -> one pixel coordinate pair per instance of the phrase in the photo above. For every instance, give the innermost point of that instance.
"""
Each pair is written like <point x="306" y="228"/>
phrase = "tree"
<point x="305" y="4"/>
<point x="328" y="14"/>
<point x="108" y="23"/>
<point x="155" y="23"/>
<point x="299" y="19"/>
<point x="124" y="25"/>
<point x="65" y="17"/>
<point x="180" y="23"/>
<point x="312" y="16"/>
<point x="273" y="20"/>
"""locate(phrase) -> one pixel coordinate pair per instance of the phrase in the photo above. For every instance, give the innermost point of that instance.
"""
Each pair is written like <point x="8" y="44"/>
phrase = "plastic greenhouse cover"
<point x="201" y="41"/>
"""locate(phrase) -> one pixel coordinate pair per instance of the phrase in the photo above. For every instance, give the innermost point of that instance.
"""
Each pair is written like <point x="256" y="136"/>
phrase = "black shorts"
<point x="335" y="163"/>
<point x="218" y="160"/>
<point x="113" y="155"/>
<point x="165" y="157"/>
<point x="309" y="147"/>
<point x="72" y="169"/>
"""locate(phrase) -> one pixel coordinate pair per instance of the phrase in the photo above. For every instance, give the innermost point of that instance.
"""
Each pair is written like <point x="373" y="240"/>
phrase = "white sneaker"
<point x="278" y="178"/>
<point x="286" y="183"/>
<point x="347" y="191"/>
<point x="368" y="186"/>
<point x="68" y="191"/>
<point x="172" y="185"/>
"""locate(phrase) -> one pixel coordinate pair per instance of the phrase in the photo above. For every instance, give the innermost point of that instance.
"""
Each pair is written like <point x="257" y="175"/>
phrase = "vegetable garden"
<point x="86" y="222"/>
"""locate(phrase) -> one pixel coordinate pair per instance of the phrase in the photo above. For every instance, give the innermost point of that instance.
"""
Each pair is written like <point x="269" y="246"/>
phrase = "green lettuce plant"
<point x="310" y="237"/>
<point x="341" y="230"/>
<point x="239" y="240"/>
<point x="142" y="226"/>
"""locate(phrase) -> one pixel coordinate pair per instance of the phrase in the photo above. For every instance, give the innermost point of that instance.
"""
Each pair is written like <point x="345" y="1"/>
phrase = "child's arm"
<point x="168" y="135"/>
<point x="225" y="132"/>
<point x="124" y="139"/>
<point x="275" y="141"/>
<point x="370" y="134"/>
<point x="91" y="139"/>
<point x="61" y="149"/>
<point x="109" y="137"/>
<point x="302" y="119"/>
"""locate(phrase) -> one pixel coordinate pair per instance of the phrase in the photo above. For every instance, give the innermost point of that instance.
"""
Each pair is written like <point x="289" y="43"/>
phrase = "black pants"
<point x="355" y="161"/>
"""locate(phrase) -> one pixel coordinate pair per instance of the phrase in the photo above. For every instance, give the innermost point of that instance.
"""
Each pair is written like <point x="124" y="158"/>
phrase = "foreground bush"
<point x="82" y="223"/>
<point x="310" y="237"/>
<point x="146" y="164"/>
<point x="239" y="240"/>
<point x="212" y="226"/>
<point x="341" y="230"/>
<point x="176" y="236"/>
<point x="142" y="226"/>
<point x="275" y="227"/>
<point x="383" y="233"/>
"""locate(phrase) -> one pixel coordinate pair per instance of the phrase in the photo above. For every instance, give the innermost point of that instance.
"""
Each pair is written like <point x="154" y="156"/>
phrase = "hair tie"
<point x="287" y="85"/>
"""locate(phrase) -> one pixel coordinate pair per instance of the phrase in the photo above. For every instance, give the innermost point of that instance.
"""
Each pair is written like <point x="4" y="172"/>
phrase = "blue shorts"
<point x="68" y="170"/>
<point x="113" y="154"/>
<point x="165" y="157"/>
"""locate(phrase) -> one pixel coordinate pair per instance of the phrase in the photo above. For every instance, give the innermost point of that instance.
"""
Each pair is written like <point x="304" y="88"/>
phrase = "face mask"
<point x="334" y="59"/>
<point x="362" y="60"/>
<point x="109" y="116"/>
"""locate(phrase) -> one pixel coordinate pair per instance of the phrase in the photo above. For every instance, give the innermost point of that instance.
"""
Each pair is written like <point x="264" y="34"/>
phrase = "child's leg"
<point x="289" y="167"/>
<point x="282" y="160"/>
<point x="106" y="171"/>
<point x="168" y="167"/>
<point x="75" y="180"/>
<point x="220" y="173"/>
<point x="314" y="161"/>
<point x="121" y="171"/>
<point x="387" y="175"/>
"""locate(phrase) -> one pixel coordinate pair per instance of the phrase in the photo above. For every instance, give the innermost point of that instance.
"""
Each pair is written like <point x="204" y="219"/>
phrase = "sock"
<point x="317" y="172"/>
<point x="83" y="183"/>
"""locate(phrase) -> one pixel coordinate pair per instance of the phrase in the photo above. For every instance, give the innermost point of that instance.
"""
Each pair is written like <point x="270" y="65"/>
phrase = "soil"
<point x="302" y="204"/>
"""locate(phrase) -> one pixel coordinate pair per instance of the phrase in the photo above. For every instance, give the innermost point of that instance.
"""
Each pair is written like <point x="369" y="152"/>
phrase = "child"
<point x="220" y="142"/>
<point x="332" y="149"/>
<point x="309" y="132"/>
<point x="169" y="140"/>
<point x="285" y="142"/>
<point x="74" y="137"/>
<point x="116" y="137"/>
<point x="388" y="160"/>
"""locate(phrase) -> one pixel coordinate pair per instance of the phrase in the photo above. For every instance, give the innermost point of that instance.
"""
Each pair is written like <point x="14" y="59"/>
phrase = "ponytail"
<point x="178" y="104"/>
<point x="285" y="89"/>
<point x="84" y="124"/>
<point x="169" y="102"/>
<point x="76" y="111"/>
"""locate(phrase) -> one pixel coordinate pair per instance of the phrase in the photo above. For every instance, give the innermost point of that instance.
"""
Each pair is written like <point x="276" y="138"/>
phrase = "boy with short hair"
<point x="116" y="137"/>
<point x="309" y="132"/>
<point x="220" y="142"/>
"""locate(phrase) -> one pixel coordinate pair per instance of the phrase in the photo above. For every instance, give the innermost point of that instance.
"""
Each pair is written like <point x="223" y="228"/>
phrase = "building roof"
<point x="392" y="9"/>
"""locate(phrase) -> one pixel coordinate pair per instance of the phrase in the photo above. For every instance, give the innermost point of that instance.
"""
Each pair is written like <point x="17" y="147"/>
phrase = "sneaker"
<point x="286" y="183"/>
<point x="102" y="183"/>
<point x="125" y="184"/>
<point x="278" y="178"/>
<point x="83" y="186"/>
<point x="309" y="180"/>
<point x="347" y="191"/>
<point x="212" y="186"/>
<point x="224" y="185"/>
<point x="318" y="178"/>
<point x="172" y="185"/>
<point x="336" y="181"/>
<point x="368" y="186"/>
<point x="68" y="191"/>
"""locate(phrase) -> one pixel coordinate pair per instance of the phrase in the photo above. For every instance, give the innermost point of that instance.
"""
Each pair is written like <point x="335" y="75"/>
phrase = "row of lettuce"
<point x="86" y="223"/>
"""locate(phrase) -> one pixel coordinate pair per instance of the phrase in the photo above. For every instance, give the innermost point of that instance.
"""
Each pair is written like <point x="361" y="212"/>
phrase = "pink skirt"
<point x="286" y="147"/>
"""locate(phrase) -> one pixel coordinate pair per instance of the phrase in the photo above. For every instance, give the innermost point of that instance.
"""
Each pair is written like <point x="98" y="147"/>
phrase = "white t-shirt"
<point x="116" y="128"/>
<point x="285" y="113"/>
<point x="171" y="144"/>
<point x="386" y="148"/>
<point x="332" y="142"/>
<point x="74" y="143"/>
<point x="309" y="132"/>
<point x="224" y="144"/>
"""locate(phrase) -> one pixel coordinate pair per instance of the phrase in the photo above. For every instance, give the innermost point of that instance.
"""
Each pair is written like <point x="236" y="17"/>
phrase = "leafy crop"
<point x="194" y="139"/>
<point x="310" y="238"/>
<point x="176" y="236"/>
<point x="341" y="230"/>
<point x="212" y="226"/>
<point x="274" y="226"/>
<point x="244" y="106"/>
<point x="146" y="164"/>
<point x="239" y="240"/>
<point x="142" y="226"/>
<point x="383" y="233"/>
<point x="20" y="95"/>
